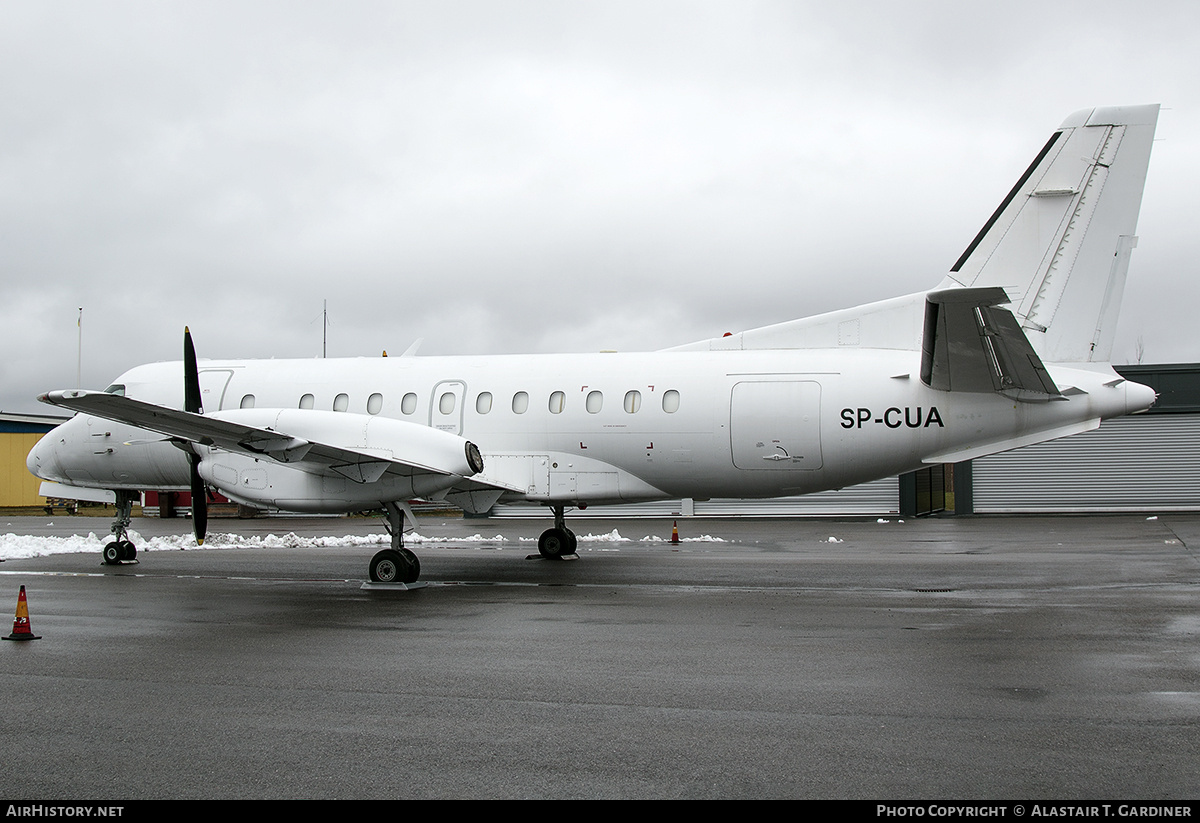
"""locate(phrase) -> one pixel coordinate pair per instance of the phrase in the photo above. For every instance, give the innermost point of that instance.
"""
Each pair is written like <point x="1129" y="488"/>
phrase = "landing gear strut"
<point x="121" y="548"/>
<point x="558" y="542"/>
<point x="397" y="564"/>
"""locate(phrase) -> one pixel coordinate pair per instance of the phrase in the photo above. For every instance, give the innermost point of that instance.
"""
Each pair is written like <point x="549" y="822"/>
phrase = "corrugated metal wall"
<point x="879" y="497"/>
<point x="1147" y="462"/>
<point x="1142" y="463"/>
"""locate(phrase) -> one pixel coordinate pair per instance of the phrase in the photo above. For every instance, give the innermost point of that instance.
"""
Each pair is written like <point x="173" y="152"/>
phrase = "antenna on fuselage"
<point x="79" y="361"/>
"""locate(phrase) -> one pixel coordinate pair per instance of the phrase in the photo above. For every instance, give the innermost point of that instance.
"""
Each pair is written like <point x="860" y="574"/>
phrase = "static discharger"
<point x="21" y="629"/>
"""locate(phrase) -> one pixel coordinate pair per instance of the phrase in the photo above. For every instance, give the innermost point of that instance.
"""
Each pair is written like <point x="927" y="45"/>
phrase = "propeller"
<point x="191" y="403"/>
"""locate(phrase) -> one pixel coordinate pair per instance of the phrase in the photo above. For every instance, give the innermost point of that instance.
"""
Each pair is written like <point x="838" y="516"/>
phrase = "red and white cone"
<point x="21" y="629"/>
<point x="675" y="532"/>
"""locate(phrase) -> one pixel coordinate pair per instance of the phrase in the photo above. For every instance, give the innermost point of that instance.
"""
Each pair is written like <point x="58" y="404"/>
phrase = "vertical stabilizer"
<point x="1060" y="243"/>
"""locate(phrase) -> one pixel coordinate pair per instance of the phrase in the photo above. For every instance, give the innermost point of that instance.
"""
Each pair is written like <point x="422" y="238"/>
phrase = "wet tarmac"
<point x="971" y="658"/>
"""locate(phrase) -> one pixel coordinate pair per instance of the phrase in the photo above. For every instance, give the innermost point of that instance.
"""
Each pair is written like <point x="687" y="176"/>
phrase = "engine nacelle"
<point x="283" y="478"/>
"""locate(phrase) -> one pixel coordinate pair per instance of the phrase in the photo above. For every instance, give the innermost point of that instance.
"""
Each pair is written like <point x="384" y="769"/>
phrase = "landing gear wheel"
<point x="395" y="566"/>
<point x="114" y="553"/>
<point x="385" y="567"/>
<point x="128" y="550"/>
<point x="556" y="543"/>
<point x="412" y="566"/>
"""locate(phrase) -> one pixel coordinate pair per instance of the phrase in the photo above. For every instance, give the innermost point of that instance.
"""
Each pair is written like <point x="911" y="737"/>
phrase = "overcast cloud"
<point x="534" y="177"/>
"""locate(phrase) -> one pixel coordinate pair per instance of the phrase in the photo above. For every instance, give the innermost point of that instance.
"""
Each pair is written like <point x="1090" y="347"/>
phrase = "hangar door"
<point x="1146" y="462"/>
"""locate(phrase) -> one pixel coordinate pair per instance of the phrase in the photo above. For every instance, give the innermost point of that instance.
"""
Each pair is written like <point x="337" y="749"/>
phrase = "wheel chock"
<point x="21" y="629"/>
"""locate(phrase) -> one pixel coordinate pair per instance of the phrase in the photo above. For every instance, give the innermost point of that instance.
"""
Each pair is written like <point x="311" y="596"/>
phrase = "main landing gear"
<point x="558" y="542"/>
<point x="121" y="549"/>
<point x="397" y="564"/>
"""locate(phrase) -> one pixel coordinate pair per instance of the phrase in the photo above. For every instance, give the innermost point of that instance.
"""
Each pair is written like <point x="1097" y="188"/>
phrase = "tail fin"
<point x="1059" y="244"/>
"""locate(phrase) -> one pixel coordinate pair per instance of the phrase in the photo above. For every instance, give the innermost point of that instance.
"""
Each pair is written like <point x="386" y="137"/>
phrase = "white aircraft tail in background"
<point x="1011" y="348"/>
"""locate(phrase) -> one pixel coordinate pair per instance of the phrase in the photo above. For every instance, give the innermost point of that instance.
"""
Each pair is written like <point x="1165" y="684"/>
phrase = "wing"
<point x="359" y="447"/>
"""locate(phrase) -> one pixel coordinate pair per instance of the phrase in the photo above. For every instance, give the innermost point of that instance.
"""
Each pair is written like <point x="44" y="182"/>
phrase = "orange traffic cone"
<point x="675" y="532"/>
<point x="21" y="630"/>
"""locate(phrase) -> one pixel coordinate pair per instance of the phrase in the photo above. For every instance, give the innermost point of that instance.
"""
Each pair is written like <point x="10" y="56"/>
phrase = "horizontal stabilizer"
<point x="1008" y="444"/>
<point x="971" y="345"/>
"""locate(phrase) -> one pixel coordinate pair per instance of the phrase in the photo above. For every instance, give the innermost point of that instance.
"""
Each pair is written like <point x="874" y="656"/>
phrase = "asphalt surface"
<point x="971" y="658"/>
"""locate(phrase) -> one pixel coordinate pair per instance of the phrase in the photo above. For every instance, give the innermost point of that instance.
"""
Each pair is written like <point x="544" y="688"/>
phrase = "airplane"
<point x="1011" y="348"/>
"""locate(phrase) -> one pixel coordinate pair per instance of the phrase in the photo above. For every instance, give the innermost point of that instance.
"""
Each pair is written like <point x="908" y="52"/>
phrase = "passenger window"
<point x="446" y="403"/>
<point x="558" y="402"/>
<point x="341" y="402"/>
<point x="375" y="403"/>
<point x="633" y="401"/>
<point x="408" y="403"/>
<point x="483" y="403"/>
<point x="671" y="401"/>
<point x="520" y="403"/>
<point x="247" y="401"/>
<point x="306" y="402"/>
<point x="594" y="402"/>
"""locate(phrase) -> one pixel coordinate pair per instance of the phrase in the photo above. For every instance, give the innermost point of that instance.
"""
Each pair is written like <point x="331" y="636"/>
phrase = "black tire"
<point x="555" y="543"/>
<point x="412" y="566"/>
<point x="113" y="553"/>
<point x="128" y="550"/>
<point x="386" y="567"/>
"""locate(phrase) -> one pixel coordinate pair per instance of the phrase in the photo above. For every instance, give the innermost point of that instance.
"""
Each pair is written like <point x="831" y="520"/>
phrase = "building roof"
<point x="10" y="422"/>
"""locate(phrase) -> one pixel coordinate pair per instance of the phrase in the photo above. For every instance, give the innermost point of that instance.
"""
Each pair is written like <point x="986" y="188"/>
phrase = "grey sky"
<point x="560" y="176"/>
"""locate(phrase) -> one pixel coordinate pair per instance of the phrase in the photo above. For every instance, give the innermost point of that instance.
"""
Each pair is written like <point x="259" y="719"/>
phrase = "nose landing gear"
<point x="121" y="549"/>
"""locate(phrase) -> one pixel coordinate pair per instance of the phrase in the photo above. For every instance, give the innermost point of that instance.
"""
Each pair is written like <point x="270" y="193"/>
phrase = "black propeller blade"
<point x="191" y="403"/>
<point x="191" y="376"/>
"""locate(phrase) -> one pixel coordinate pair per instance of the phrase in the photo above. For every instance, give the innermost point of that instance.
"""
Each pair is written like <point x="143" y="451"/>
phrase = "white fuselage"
<point x="596" y="428"/>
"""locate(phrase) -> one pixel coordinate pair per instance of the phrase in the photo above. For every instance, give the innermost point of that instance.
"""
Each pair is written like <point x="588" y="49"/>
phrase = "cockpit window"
<point x="116" y="388"/>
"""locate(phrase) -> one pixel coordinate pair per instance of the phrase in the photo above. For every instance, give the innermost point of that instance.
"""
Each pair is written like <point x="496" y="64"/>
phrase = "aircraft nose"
<point x="42" y="460"/>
